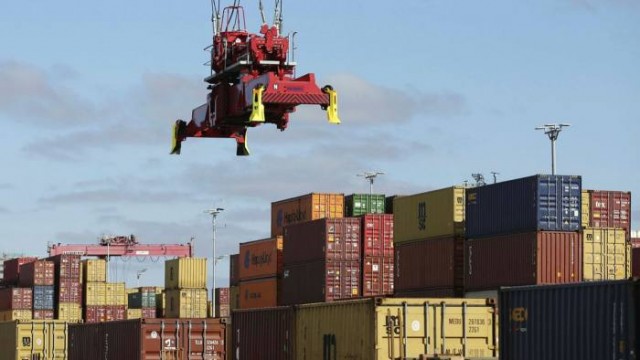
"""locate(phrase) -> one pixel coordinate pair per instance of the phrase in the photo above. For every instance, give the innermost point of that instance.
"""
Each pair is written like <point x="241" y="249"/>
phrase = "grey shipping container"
<point x="263" y="334"/>
<point x="43" y="297"/>
<point x="586" y="321"/>
<point x="539" y="202"/>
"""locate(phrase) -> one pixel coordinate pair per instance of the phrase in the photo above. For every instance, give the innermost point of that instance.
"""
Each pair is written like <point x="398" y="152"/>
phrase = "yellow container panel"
<point x="397" y="328"/>
<point x="40" y="339"/>
<point x="161" y="301"/>
<point x="185" y="273"/>
<point x="134" y="314"/>
<point x="586" y="208"/>
<point x="70" y="312"/>
<point x="431" y="214"/>
<point x="11" y="315"/>
<point x="606" y="254"/>
<point x="94" y="270"/>
<point x="305" y="208"/>
<point x="186" y="303"/>
<point x="116" y="294"/>
<point x="95" y="293"/>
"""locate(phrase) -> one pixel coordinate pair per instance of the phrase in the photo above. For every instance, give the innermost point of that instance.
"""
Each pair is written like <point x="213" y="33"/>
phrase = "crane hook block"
<point x="332" y="109"/>
<point x="257" y="112"/>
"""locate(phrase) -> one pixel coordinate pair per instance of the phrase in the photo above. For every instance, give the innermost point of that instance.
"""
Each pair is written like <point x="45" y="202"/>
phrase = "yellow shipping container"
<point x="116" y="294"/>
<point x="185" y="273"/>
<point x="606" y="254"/>
<point x="430" y="214"/>
<point x="94" y="270"/>
<point x="40" y="339"/>
<point x="70" y="312"/>
<point x="134" y="314"/>
<point x="304" y="208"/>
<point x="95" y="293"/>
<point x="397" y="328"/>
<point x="186" y="303"/>
<point x="586" y="208"/>
<point x="11" y="315"/>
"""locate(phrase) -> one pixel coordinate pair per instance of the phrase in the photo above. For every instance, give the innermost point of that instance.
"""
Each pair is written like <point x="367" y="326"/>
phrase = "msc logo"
<point x="519" y="314"/>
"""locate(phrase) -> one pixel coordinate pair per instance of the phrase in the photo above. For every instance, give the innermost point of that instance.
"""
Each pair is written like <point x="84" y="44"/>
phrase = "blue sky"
<point x="430" y="92"/>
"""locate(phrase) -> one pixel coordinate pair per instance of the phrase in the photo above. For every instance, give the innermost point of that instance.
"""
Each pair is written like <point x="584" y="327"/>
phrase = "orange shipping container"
<point x="261" y="293"/>
<point x="261" y="259"/>
<point x="304" y="208"/>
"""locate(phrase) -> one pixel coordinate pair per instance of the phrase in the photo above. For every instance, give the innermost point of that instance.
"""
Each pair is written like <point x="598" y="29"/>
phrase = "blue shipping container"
<point x="43" y="296"/>
<point x="539" y="202"/>
<point x="586" y="321"/>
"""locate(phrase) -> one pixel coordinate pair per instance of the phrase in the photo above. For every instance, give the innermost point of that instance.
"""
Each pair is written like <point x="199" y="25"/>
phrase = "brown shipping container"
<point x="39" y="272"/>
<point x="222" y="311"/>
<point x="102" y="313"/>
<point x="305" y="208"/>
<point x="11" y="268"/>
<point x="259" y="293"/>
<point x="430" y="293"/>
<point x="610" y="209"/>
<point x="222" y="296"/>
<point x="234" y="269"/>
<point x="533" y="258"/>
<point x="69" y="291"/>
<point x="430" y="264"/>
<point x="263" y="334"/>
<point x="148" y="313"/>
<point x="377" y="276"/>
<point x="67" y="266"/>
<point x="42" y="314"/>
<point x="148" y="339"/>
<point x="320" y="281"/>
<point x="377" y="235"/>
<point x="234" y="298"/>
<point x="16" y="299"/>
<point x="330" y="239"/>
<point x="260" y="259"/>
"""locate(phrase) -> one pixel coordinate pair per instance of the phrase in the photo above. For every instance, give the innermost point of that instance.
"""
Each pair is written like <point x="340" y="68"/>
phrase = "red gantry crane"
<point x="122" y="246"/>
<point x="252" y="82"/>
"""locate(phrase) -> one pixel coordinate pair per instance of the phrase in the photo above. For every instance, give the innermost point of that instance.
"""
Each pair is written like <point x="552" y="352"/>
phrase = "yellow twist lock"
<point x="257" y="108"/>
<point x="332" y="109"/>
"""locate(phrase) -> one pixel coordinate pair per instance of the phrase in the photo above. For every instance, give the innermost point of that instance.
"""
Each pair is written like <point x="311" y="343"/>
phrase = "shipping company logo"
<point x="519" y="318"/>
<point x="422" y="215"/>
<point x="256" y="260"/>
<point x="290" y="218"/>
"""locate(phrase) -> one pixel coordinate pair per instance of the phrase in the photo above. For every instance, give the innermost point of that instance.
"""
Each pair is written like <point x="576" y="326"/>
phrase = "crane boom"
<point x="122" y="248"/>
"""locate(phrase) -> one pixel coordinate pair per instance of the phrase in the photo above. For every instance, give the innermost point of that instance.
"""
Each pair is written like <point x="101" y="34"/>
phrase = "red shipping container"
<point x="320" y="281"/>
<point x="610" y="209"/>
<point x="532" y="258"/>
<point x="329" y="239"/>
<point x="234" y="269"/>
<point x="436" y="263"/>
<point x="40" y="272"/>
<point x="377" y="276"/>
<point x="69" y="291"/>
<point x="261" y="259"/>
<point x="12" y="269"/>
<point x="102" y="313"/>
<point x="222" y="296"/>
<point x="42" y="314"/>
<point x="16" y="299"/>
<point x="148" y="313"/>
<point x="67" y="266"/>
<point x="264" y="334"/>
<point x="377" y="235"/>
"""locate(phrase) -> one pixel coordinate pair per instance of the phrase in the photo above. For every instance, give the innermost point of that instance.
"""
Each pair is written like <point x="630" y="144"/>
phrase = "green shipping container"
<point x="360" y="204"/>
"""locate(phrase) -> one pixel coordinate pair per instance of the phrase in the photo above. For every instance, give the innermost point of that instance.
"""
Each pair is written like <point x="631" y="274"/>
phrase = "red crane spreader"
<point x="252" y="83"/>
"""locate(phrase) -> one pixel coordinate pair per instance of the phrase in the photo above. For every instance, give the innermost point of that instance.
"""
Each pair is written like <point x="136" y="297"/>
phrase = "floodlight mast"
<point x="371" y="177"/>
<point x="214" y="214"/>
<point x="552" y="131"/>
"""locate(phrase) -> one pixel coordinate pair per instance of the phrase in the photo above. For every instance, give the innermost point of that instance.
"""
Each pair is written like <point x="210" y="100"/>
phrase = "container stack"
<point x="429" y="243"/>
<point x="322" y="261"/>
<point x="234" y="282"/>
<point x="260" y="273"/>
<point x="16" y="304"/>
<point x="142" y="303"/>
<point x="305" y="208"/>
<point x="103" y="301"/>
<point x="377" y="254"/>
<point x="523" y="232"/>
<point x="68" y="289"/>
<point x="606" y="222"/>
<point x="186" y="288"/>
<point x="39" y="275"/>
<point x="222" y="303"/>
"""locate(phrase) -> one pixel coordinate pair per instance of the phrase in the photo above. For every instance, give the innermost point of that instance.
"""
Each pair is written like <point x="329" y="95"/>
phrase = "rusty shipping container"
<point x="377" y="235"/>
<point x="148" y="339"/>
<point x="430" y="264"/>
<point x="11" y="269"/>
<point x="305" y="208"/>
<point x="320" y="281"/>
<point x="586" y="321"/>
<point x="40" y="272"/>
<point x="234" y="269"/>
<point x="102" y="313"/>
<point x="261" y="293"/>
<point x="16" y="298"/>
<point x="67" y="266"/>
<point x="43" y="297"/>
<point x="539" y="202"/>
<point x="377" y="276"/>
<point x="264" y="334"/>
<point x="185" y="273"/>
<point x="260" y="259"/>
<point x="329" y="239"/>
<point x="533" y="258"/>
<point x="610" y="209"/>
<point x="33" y="340"/>
<point x="607" y="254"/>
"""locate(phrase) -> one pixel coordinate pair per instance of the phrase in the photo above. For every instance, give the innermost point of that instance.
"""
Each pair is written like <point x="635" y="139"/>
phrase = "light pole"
<point x="214" y="214"/>
<point x="138" y="274"/>
<point x="371" y="177"/>
<point x="552" y="130"/>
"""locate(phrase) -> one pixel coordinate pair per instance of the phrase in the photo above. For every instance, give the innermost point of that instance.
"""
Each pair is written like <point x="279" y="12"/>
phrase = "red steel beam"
<point x="179" y="250"/>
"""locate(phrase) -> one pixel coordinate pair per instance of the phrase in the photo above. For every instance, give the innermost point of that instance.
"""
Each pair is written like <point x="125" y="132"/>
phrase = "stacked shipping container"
<point x="142" y="303"/>
<point x="103" y="301"/>
<point x="377" y="254"/>
<point x="186" y="288"/>
<point x="260" y="273"/>
<point x="221" y="309"/>
<point x="305" y="208"/>
<point x="68" y="290"/>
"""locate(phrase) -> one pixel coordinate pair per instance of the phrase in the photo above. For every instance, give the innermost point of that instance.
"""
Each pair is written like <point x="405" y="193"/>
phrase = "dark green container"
<point x="360" y="204"/>
<point x="141" y="300"/>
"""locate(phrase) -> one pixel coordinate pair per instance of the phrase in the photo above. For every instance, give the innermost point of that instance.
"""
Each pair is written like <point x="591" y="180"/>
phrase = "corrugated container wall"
<point x="264" y="334"/>
<point x="377" y="276"/>
<point x="94" y="270"/>
<point x="71" y="312"/>
<point x="261" y="258"/>
<point x="542" y="257"/>
<point x="186" y="303"/>
<point x="39" y="272"/>
<point x="33" y="340"/>
<point x="430" y="214"/>
<point x="607" y="254"/>
<point x="234" y="269"/>
<point x="43" y="297"/>
<point x="331" y="239"/>
<point x="16" y="299"/>
<point x="11" y="268"/>
<point x="102" y="313"/>
<point x="360" y="204"/>
<point x="396" y="328"/>
<point x="146" y="339"/>
<point x="261" y="293"/>
<point x="320" y="281"/>
<point x="43" y="315"/>
<point x="185" y="273"/>
<point x="610" y="209"/>
<point x="304" y="208"/>
<point x="11" y="315"/>
<point x="587" y="321"/>
<point x="539" y="202"/>
<point x="67" y="266"/>
<point x="377" y="235"/>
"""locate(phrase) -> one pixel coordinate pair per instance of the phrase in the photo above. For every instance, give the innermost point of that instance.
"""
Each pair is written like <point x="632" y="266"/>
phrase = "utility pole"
<point x="371" y="177"/>
<point x="214" y="214"/>
<point x="553" y="130"/>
